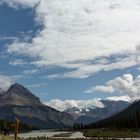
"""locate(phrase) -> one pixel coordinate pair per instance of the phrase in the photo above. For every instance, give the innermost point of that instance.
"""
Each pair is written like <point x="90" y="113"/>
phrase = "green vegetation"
<point x="129" y="118"/>
<point x="122" y="133"/>
<point x="22" y="127"/>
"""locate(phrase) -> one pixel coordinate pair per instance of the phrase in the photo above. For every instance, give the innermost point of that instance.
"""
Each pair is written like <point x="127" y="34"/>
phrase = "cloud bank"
<point x="119" y="98"/>
<point x="126" y="84"/>
<point x="77" y="32"/>
<point x="63" y="105"/>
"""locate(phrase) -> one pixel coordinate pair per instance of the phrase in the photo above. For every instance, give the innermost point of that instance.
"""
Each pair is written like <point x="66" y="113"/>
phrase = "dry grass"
<point x="6" y="138"/>
<point x="112" y="133"/>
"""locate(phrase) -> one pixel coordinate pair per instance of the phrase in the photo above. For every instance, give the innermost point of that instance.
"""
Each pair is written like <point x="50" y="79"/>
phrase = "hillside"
<point x="129" y="118"/>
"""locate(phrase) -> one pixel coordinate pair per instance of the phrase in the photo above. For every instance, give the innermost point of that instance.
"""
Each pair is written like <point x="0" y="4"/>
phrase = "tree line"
<point x="126" y="120"/>
<point x="4" y="124"/>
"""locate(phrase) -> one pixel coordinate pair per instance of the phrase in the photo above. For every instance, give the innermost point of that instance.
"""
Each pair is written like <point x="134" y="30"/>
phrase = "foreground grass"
<point x="112" y="133"/>
<point x="5" y="138"/>
<point x="45" y="138"/>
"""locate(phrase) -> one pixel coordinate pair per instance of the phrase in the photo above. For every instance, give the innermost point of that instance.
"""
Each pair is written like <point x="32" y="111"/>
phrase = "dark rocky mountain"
<point x="128" y="118"/>
<point x="20" y="102"/>
<point x="93" y="114"/>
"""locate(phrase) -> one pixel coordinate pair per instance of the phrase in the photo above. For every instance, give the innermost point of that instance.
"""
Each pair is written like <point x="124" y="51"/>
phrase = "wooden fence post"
<point x="16" y="129"/>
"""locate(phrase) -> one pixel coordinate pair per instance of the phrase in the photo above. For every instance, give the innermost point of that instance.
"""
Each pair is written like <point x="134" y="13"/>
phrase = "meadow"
<point x="112" y="133"/>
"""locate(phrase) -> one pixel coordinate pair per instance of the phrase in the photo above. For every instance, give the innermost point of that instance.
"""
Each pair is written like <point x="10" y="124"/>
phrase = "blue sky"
<point x="71" y="50"/>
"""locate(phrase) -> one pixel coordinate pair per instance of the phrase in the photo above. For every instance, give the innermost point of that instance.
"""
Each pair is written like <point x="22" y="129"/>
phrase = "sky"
<point x="71" y="52"/>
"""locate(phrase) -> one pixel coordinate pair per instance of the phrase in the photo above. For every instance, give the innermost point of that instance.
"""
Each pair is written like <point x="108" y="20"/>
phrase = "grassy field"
<point x="5" y="138"/>
<point x="112" y="133"/>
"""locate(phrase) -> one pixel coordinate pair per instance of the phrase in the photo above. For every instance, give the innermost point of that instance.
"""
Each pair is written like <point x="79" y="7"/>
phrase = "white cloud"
<point x="62" y="105"/>
<point x="5" y="82"/>
<point x="79" y="31"/>
<point x="125" y="84"/>
<point x="30" y="71"/>
<point x="119" y="98"/>
<point x="106" y="89"/>
<point x="17" y="62"/>
<point x="85" y="70"/>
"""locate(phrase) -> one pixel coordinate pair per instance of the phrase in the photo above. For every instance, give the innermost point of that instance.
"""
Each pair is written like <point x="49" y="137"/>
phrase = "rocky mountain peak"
<point x="20" y="90"/>
<point x="19" y="95"/>
<point x="27" y="107"/>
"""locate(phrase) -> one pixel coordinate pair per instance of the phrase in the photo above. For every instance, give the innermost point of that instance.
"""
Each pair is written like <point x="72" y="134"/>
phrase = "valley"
<point x="115" y="120"/>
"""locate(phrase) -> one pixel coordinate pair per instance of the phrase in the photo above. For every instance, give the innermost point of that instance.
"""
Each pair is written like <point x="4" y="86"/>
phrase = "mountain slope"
<point x="129" y="118"/>
<point x="20" y="102"/>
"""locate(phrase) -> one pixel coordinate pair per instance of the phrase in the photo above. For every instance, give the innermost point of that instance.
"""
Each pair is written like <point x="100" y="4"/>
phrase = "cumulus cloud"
<point x="75" y="31"/>
<point x="125" y="84"/>
<point x="82" y="71"/>
<point x="63" y="105"/>
<point x="106" y="89"/>
<point x="5" y="83"/>
<point x="119" y="98"/>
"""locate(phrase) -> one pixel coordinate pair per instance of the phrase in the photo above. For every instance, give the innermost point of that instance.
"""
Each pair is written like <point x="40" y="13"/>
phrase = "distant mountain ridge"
<point x="19" y="101"/>
<point x="128" y="118"/>
<point x="93" y="114"/>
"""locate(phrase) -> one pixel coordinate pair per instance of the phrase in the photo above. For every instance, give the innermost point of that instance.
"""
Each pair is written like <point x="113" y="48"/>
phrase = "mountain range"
<point x="20" y="102"/>
<point x="93" y="114"/>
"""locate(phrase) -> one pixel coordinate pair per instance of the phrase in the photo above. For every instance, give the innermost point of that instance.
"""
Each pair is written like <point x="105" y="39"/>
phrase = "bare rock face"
<point x="19" y="101"/>
<point x="18" y="95"/>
